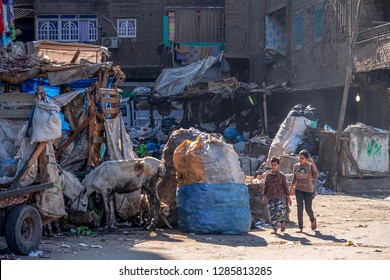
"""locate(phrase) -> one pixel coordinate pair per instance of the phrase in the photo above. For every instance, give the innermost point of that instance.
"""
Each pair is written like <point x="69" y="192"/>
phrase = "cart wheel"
<point x="23" y="229"/>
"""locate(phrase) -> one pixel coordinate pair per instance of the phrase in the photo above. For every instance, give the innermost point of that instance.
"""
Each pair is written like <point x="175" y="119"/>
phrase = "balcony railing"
<point x="374" y="32"/>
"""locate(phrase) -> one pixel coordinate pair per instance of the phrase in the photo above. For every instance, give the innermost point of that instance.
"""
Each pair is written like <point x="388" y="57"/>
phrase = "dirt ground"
<point x="363" y="221"/>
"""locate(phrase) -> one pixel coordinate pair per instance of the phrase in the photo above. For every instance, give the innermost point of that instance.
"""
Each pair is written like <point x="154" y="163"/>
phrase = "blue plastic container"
<point x="214" y="208"/>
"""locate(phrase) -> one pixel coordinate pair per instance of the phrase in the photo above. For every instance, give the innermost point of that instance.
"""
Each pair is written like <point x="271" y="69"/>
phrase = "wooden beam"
<point x="352" y="159"/>
<point x="76" y="55"/>
<point x="43" y="161"/>
<point x="17" y="97"/>
<point x="105" y="77"/>
<point x="15" y="113"/>
<point x="79" y="130"/>
<point x="347" y="83"/>
<point x="99" y="127"/>
<point x="28" y="165"/>
<point x="265" y="113"/>
<point x="111" y="111"/>
<point x="98" y="140"/>
<point x="22" y="191"/>
<point x="91" y="129"/>
<point x="110" y="100"/>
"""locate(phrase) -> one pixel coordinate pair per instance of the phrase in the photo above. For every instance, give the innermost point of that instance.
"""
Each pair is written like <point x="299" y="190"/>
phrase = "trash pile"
<point x="293" y="132"/>
<point x="212" y="197"/>
<point x="166" y="187"/>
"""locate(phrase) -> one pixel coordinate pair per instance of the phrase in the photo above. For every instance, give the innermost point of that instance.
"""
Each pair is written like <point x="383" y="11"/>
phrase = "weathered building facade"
<point x="133" y="30"/>
<point x="307" y="46"/>
<point x="372" y="63"/>
<point x="244" y="39"/>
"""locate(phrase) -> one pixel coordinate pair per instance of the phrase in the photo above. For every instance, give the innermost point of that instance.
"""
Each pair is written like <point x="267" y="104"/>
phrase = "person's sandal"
<point x="314" y="224"/>
<point x="282" y="226"/>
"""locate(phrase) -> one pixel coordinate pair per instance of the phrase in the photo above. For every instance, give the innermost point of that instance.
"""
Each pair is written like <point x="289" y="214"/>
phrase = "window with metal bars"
<point x="68" y="28"/>
<point x="298" y="34"/>
<point x="318" y="23"/>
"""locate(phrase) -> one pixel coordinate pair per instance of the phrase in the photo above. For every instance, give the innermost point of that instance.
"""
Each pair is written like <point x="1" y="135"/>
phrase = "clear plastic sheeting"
<point x="207" y="159"/>
<point x="214" y="209"/>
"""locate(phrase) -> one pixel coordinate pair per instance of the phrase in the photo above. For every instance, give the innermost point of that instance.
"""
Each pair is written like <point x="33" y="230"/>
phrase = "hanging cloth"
<point x="1" y="20"/>
<point x="5" y="18"/>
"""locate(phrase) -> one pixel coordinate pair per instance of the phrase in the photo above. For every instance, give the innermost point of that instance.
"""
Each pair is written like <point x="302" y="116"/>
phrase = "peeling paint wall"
<point x="370" y="152"/>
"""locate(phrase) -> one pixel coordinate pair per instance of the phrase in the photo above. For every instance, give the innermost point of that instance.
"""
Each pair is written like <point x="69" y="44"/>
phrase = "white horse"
<point x="73" y="191"/>
<point x="125" y="176"/>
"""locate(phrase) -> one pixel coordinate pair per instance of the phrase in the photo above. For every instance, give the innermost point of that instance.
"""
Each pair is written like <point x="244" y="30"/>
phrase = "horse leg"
<point x="106" y="203"/>
<point x="111" y="208"/>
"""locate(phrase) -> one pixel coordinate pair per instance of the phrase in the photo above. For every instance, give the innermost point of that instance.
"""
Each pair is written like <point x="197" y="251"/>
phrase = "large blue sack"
<point x="214" y="208"/>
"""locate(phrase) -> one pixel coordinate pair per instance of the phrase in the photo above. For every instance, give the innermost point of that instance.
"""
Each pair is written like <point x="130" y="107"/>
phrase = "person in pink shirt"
<point x="304" y="171"/>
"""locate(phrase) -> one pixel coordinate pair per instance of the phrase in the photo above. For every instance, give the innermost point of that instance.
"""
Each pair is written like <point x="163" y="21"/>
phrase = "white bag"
<point x="46" y="124"/>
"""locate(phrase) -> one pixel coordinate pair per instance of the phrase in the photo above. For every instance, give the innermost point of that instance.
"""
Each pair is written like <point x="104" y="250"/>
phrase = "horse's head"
<point x="75" y="194"/>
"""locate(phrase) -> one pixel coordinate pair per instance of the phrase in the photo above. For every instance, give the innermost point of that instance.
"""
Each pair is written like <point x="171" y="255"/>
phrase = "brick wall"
<point x="237" y="34"/>
<point x="317" y="64"/>
<point x="141" y="51"/>
<point x="194" y="3"/>
<point x="273" y="5"/>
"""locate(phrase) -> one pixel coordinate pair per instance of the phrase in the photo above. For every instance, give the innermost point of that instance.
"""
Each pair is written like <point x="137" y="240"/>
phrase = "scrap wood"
<point x="74" y="135"/>
<point x="15" y="78"/>
<point x="28" y="165"/>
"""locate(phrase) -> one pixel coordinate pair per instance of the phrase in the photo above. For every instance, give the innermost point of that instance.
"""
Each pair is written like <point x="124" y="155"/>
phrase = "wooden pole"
<point x="79" y="130"/>
<point x="348" y="79"/>
<point x="28" y="165"/>
<point x="265" y="113"/>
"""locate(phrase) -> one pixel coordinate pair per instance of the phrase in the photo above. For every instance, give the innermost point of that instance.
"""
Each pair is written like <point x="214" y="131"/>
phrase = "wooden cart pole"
<point x="91" y="130"/>
<point x="348" y="79"/>
<point x="28" y="165"/>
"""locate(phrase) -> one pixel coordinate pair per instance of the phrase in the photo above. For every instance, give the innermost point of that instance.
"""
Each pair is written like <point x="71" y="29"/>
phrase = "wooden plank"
<point x="91" y="128"/>
<point x="352" y="159"/>
<point x="110" y="100"/>
<point x="112" y="111"/>
<point x="105" y="77"/>
<point x="99" y="127"/>
<point x="76" y="55"/>
<point x="99" y="140"/>
<point x="17" y="97"/>
<point x="28" y="165"/>
<point x="15" y="113"/>
<point x="109" y="91"/>
<point x="79" y="130"/>
<point x="43" y="160"/>
<point x="25" y="190"/>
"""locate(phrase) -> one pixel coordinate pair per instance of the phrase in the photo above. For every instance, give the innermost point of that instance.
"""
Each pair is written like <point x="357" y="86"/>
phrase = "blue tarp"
<point x="31" y="85"/>
<point x="214" y="208"/>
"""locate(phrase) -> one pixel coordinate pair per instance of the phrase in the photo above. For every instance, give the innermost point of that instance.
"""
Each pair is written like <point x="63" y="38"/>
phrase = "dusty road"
<point x="364" y="221"/>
